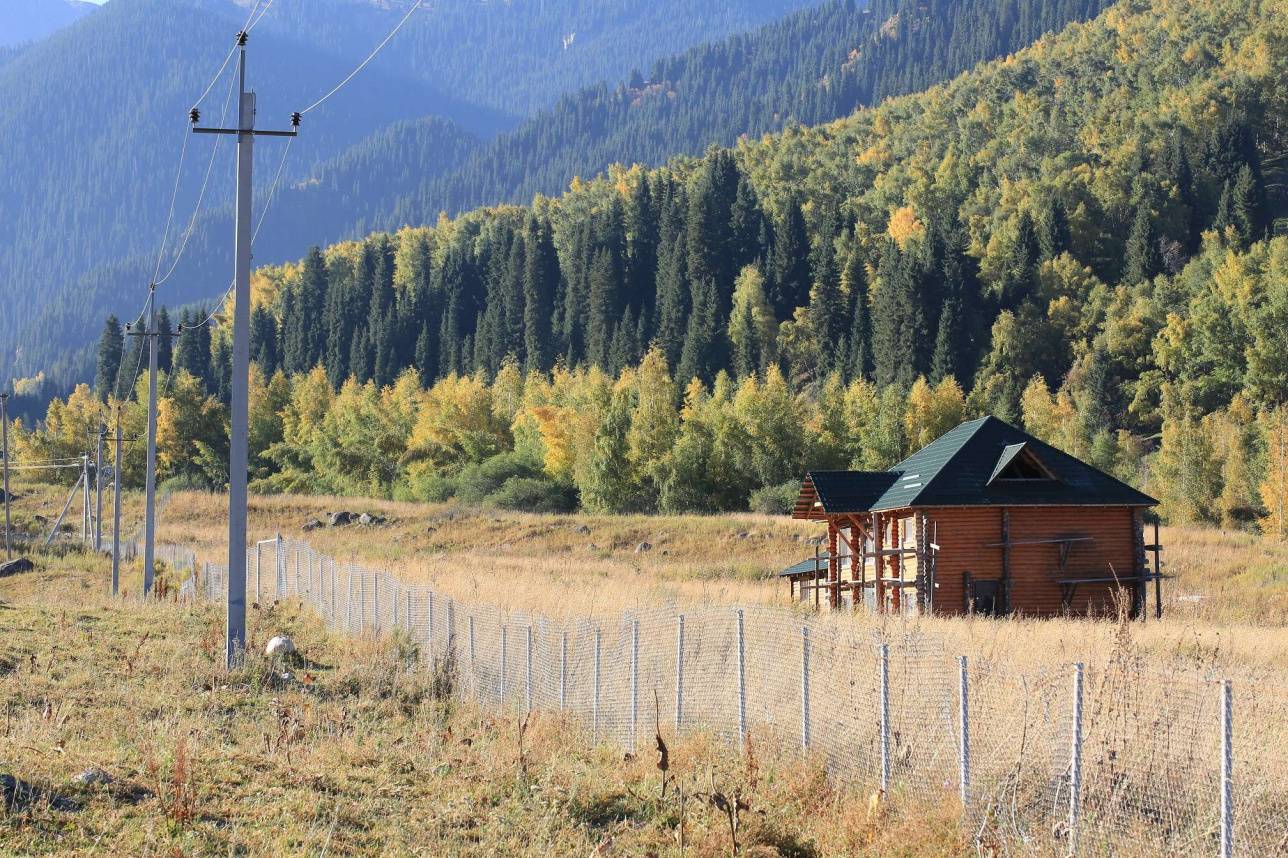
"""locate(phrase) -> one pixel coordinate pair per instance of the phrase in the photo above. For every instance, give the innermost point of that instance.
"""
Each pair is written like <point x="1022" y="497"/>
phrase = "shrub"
<point x="776" y="500"/>
<point x="533" y="494"/>
<point x="476" y="482"/>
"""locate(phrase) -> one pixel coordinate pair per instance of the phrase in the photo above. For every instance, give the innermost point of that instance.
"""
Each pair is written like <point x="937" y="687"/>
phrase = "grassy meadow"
<point x="1226" y="610"/>
<point x="357" y="752"/>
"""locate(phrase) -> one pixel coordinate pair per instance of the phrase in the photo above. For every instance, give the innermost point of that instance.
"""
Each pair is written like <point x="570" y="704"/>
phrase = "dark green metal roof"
<point x="807" y="566"/>
<point x="965" y="467"/>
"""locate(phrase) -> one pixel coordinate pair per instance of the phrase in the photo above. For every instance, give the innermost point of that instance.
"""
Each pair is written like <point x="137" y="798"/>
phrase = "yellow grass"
<point x="355" y="753"/>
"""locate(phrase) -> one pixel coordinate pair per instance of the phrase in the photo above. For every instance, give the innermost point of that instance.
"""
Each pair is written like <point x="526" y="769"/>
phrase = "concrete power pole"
<point x="150" y="520"/>
<point x="150" y="471"/>
<point x="85" y="499"/>
<point x="116" y="510"/>
<point x="4" y="431"/>
<point x="98" y="491"/>
<point x="238" y="427"/>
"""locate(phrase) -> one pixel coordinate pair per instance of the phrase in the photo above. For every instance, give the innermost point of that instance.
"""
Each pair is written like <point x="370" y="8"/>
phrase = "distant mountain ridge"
<point x="98" y="126"/>
<point x="23" y="21"/>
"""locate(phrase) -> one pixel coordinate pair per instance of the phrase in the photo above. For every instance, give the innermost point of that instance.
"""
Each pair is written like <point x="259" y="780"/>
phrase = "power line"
<point x="205" y="183"/>
<point x="268" y="203"/>
<point x="231" y="51"/>
<point x="369" y="58"/>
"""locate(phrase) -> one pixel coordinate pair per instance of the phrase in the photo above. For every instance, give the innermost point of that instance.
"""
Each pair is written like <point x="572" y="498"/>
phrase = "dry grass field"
<point x="1225" y="611"/>
<point x="357" y="752"/>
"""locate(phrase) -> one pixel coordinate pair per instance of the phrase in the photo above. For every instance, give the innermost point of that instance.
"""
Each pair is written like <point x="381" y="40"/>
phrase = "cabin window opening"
<point x="1020" y="464"/>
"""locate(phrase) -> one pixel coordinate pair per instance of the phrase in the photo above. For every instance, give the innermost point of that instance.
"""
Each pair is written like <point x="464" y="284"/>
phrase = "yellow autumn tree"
<point x="1274" y="488"/>
<point x="932" y="411"/>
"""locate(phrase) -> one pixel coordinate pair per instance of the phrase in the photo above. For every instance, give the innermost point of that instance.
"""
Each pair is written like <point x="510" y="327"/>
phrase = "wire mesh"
<point x="1139" y="773"/>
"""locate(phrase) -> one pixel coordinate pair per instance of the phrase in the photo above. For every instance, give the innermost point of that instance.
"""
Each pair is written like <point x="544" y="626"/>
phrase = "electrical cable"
<point x="245" y="28"/>
<point x="205" y="183"/>
<point x="268" y="203"/>
<point x="369" y="58"/>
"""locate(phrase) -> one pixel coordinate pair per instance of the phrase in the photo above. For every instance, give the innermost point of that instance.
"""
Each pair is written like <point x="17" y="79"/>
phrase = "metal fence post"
<point x="805" y="726"/>
<point x="742" y="682"/>
<point x="528" y="678"/>
<point x="884" y="671"/>
<point x="259" y="561"/>
<point x="395" y="601"/>
<point x="504" y="647"/>
<point x="1075" y="759"/>
<point x="474" y="676"/>
<point x="1227" y="769"/>
<point x="594" y="712"/>
<point x="348" y="603"/>
<point x="963" y="712"/>
<point x="635" y="680"/>
<point x="279" y="584"/>
<point x="335" y="607"/>
<point x="679" y="673"/>
<point x="451" y="629"/>
<point x="375" y="602"/>
<point x="407" y="620"/>
<point x="430" y="607"/>
<point x="563" y="671"/>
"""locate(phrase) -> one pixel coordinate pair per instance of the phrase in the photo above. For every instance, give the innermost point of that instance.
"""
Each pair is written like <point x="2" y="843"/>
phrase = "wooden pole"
<point x="833" y="567"/>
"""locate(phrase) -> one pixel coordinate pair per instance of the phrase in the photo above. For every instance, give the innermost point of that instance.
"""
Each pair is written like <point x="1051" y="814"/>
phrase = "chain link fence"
<point x="1071" y="760"/>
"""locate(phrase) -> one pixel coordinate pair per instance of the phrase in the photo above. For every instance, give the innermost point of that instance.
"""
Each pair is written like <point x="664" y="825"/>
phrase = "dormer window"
<point x="1019" y="463"/>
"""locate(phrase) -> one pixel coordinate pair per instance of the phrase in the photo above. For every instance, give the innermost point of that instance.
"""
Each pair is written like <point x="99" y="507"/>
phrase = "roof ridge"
<point x="979" y="422"/>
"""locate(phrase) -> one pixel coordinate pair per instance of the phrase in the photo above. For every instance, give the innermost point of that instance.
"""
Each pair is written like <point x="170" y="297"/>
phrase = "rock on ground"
<point x="279" y="645"/>
<point x="643" y="547"/>
<point x="340" y="519"/>
<point x="311" y="525"/>
<point x="93" y="776"/>
<point x="16" y="567"/>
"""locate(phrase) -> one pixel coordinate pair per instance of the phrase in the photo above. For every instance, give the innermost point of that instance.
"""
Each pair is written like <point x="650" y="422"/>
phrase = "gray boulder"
<point x="16" y="567"/>
<point x="340" y="518"/>
<point x="643" y="548"/>
<point x="312" y="525"/>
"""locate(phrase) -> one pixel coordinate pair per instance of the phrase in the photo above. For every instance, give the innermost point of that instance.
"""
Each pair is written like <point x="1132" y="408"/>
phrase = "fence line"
<point x="1128" y="763"/>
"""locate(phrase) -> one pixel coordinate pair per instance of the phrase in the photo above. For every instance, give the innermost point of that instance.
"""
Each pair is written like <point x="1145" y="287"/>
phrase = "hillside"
<point x="360" y="749"/>
<point x="32" y="20"/>
<point x="1080" y="253"/>
<point x="815" y="65"/>
<point x="101" y="127"/>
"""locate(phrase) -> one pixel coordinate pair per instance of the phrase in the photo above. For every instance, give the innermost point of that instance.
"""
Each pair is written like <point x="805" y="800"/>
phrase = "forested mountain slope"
<point x="1075" y="237"/>
<point x="815" y="65"/>
<point x="91" y="118"/>
<point x="811" y="67"/>
<point x="23" y="21"/>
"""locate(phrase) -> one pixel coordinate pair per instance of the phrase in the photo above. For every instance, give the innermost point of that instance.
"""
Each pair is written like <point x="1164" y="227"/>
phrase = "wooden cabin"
<point x="985" y="520"/>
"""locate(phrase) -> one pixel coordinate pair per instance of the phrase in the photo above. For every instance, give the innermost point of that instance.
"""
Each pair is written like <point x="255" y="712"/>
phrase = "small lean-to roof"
<point x="967" y="467"/>
<point x="807" y="567"/>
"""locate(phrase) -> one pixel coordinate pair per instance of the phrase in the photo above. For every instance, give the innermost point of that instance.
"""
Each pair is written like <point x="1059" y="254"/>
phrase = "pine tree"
<point x="703" y="354"/>
<point x="111" y="348"/>
<point x="603" y="310"/>
<point x="1142" y="258"/>
<point x="790" y="270"/>
<point x="827" y="311"/>
<point x="858" y="347"/>
<point x="1245" y="206"/>
<point x="899" y="325"/>
<point x="263" y="340"/>
<point x="540" y="276"/>
<point x="222" y="369"/>
<point x="165" y="341"/>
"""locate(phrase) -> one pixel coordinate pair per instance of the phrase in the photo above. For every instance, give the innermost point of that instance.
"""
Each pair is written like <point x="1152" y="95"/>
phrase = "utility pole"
<point x="116" y="505"/>
<point x="238" y="427"/>
<point x="98" y="491"/>
<point x="116" y="510"/>
<point x="85" y="499"/>
<point x="150" y="471"/>
<point x="4" y="432"/>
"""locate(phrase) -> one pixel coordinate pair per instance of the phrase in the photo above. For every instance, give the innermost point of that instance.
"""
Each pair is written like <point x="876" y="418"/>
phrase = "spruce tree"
<point x="704" y="352"/>
<point x="540" y="276"/>
<point x="859" y="343"/>
<point x="263" y="340"/>
<point x="790" y="280"/>
<point x="1142" y="259"/>
<point x="603" y="311"/>
<point x="827" y="311"/>
<point x="165" y="340"/>
<point x="111" y="349"/>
